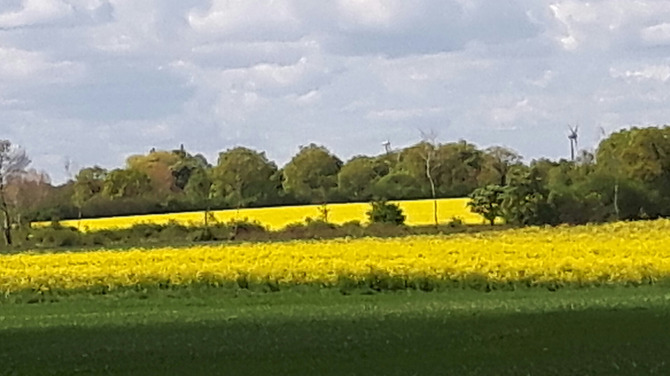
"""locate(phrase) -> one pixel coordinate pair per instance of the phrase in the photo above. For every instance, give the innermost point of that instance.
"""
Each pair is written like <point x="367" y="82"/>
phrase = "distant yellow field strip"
<point x="418" y="212"/>
<point x="617" y="253"/>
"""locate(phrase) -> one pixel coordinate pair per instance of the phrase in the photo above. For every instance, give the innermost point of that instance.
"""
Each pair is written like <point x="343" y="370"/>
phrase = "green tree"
<point x="123" y="183"/>
<point x="198" y="188"/>
<point x="497" y="162"/>
<point x="157" y="165"/>
<point x="525" y="199"/>
<point x="88" y="183"/>
<point x="487" y="201"/>
<point x="412" y="162"/>
<point x="385" y="212"/>
<point x="358" y="176"/>
<point x="638" y="155"/>
<point x="460" y="168"/>
<point x="186" y="167"/>
<point x="397" y="186"/>
<point x="311" y="175"/>
<point x="244" y="176"/>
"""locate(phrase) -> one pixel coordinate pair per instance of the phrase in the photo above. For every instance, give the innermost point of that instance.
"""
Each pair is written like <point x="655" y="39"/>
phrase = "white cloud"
<point x="34" y="68"/>
<point x="246" y="20"/>
<point x="511" y="114"/>
<point x="310" y="98"/>
<point x="401" y="114"/>
<point x="54" y="13"/>
<point x="35" y="12"/>
<point x="657" y="34"/>
<point x="608" y="23"/>
<point x="649" y="72"/>
<point x="103" y="79"/>
<point x="375" y="14"/>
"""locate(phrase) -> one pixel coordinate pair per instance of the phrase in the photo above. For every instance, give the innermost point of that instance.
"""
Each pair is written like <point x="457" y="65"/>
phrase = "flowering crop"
<point x="619" y="253"/>
<point x="418" y="212"/>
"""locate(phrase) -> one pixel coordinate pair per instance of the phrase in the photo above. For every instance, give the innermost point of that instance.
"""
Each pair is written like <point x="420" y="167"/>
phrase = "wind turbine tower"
<point x="573" y="140"/>
<point x="387" y="146"/>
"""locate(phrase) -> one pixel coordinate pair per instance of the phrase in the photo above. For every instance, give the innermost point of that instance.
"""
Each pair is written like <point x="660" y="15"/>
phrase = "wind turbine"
<point x="573" y="140"/>
<point x="387" y="146"/>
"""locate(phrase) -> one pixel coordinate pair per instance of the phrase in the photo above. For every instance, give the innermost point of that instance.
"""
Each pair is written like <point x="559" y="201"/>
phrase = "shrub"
<point x="385" y="230"/>
<point x="247" y="230"/>
<point x="57" y="236"/>
<point x="384" y="212"/>
<point x="455" y="221"/>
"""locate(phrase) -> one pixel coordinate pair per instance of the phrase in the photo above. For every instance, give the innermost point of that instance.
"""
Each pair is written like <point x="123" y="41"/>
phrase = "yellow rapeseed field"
<point x="619" y="253"/>
<point x="418" y="212"/>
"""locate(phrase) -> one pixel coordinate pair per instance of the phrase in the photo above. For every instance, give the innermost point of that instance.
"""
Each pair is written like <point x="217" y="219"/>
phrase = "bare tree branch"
<point x="430" y="144"/>
<point x="13" y="162"/>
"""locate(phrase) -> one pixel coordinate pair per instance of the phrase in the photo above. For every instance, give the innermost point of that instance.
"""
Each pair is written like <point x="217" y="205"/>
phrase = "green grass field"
<point x="599" y="331"/>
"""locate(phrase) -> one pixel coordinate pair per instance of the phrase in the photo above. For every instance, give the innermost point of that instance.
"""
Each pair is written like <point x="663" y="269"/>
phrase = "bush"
<point x="311" y="229"/>
<point x="455" y="221"/>
<point x="385" y="230"/>
<point x="56" y="236"/>
<point x="247" y="230"/>
<point x="384" y="212"/>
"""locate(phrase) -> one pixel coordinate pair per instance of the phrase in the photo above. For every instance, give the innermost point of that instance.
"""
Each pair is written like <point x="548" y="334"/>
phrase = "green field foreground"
<point x="598" y="331"/>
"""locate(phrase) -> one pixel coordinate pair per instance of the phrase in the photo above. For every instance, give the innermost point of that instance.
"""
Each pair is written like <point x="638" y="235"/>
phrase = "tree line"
<point x="176" y="180"/>
<point x="627" y="177"/>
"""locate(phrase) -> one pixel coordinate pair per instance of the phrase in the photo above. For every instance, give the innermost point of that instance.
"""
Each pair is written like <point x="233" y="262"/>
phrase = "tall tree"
<point x="487" y="201"/>
<point x="13" y="162"/>
<point x="460" y="168"/>
<point x="157" y="165"/>
<point x="28" y="191"/>
<point x="431" y="164"/>
<point x="641" y="155"/>
<point x="187" y="165"/>
<point x="357" y="177"/>
<point x="243" y="176"/>
<point x="525" y="199"/>
<point x="311" y="175"/>
<point x="121" y="183"/>
<point x="497" y="162"/>
<point x="88" y="183"/>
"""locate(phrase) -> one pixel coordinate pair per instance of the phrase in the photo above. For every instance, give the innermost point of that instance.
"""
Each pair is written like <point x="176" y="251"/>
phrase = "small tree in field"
<point x="487" y="201"/>
<point x="384" y="212"/>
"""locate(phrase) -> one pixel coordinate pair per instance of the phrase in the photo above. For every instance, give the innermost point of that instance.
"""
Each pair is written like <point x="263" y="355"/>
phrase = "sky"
<point x="91" y="82"/>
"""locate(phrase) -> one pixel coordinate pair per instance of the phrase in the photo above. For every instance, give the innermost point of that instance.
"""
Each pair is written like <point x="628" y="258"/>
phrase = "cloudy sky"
<point x="93" y="81"/>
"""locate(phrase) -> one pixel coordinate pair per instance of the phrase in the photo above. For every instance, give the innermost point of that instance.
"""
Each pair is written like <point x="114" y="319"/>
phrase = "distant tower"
<point x="387" y="146"/>
<point x="573" y="141"/>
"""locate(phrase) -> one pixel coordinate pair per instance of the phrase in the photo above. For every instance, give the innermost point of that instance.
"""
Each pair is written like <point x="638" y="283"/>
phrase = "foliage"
<point x="525" y="199"/>
<point x="397" y="186"/>
<point x="358" y="176"/>
<point x="120" y="183"/>
<point x="311" y="175"/>
<point x="385" y="212"/>
<point x="487" y="201"/>
<point x="243" y="176"/>
<point x="627" y="177"/>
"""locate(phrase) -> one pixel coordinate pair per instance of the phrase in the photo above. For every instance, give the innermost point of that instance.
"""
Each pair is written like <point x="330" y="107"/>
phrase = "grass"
<point x="612" y="331"/>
